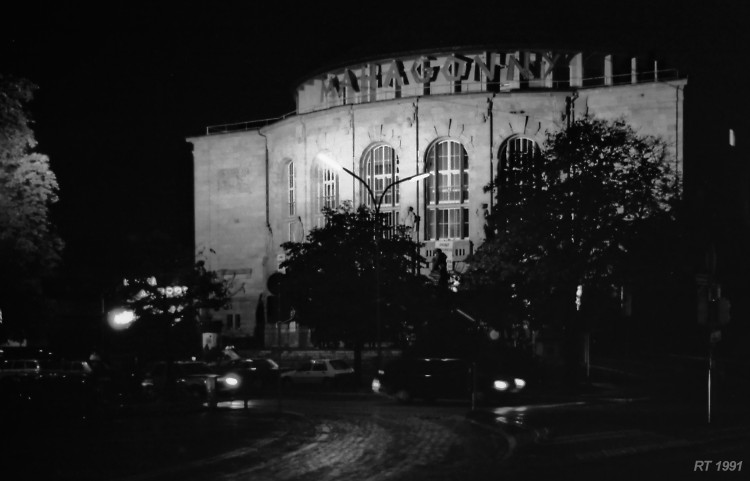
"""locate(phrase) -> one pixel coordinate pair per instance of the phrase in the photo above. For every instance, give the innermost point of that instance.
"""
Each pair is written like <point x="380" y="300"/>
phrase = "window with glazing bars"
<point x="519" y="172"/>
<point x="447" y="191"/>
<point x="327" y="189"/>
<point x="381" y="171"/>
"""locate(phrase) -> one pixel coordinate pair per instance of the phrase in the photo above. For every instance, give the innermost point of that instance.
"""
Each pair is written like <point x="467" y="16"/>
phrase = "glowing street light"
<point x="121" y="318"/>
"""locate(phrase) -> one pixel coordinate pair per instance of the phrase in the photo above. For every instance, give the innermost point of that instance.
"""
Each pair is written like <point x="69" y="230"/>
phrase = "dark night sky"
<point x="121" y="88"/>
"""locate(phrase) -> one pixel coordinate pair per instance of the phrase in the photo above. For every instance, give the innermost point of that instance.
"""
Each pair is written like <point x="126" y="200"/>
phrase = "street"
<point x="320" y="435"/>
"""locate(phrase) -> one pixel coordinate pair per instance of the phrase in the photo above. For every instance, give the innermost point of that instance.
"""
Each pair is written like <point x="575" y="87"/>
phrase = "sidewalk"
<point x="654" y="406"/>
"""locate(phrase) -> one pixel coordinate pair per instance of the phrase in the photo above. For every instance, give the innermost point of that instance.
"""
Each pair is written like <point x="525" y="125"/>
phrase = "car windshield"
<point x="196" y="368"/>
<point x="339" y="365"/>
<point x="266" y="363"/>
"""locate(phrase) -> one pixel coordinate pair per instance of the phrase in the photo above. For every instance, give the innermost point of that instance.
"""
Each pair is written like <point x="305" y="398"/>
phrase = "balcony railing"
<point x="244" y="126"/>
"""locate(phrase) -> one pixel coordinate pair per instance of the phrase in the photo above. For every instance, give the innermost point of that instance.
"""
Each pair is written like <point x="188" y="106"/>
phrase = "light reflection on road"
<point x="509" y="410"/>
<point x="516" y="415"/>
<point x="239" y="404"/>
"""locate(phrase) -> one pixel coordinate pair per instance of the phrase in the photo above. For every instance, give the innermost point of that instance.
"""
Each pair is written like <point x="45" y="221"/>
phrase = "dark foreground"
<point x="613" y="428"/>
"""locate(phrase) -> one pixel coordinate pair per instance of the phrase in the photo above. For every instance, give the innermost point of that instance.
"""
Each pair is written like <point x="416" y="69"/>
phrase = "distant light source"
<point x="230" y="381"/>
<point x="500" y="385"/>
<point x="121" y="318"/>
<point x="330" y="162"/>
<point x="419" y="177"/>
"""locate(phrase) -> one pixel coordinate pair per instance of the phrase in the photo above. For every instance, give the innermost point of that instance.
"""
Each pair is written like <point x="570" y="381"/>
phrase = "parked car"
<point x="193" y="378"/>
<point x="324" y="372"/>
<point x="439" y="378"/>
<point x="21" y="367"/>
<point x="48" y="386"/>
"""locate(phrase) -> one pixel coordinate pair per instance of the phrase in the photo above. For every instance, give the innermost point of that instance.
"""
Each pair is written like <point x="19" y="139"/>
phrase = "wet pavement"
<point x="595" y="429"/>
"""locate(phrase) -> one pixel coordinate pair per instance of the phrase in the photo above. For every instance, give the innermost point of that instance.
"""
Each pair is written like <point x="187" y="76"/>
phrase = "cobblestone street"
<point x="378" y="448"/>
<point x="605" y="431"/>
<point x="332" y="440"/>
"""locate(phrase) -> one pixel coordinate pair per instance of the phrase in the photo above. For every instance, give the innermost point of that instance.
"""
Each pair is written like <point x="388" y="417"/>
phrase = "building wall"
<point x="230" y="169"/>
<point x="230" y="222"/>
<point x="651" y="108"/>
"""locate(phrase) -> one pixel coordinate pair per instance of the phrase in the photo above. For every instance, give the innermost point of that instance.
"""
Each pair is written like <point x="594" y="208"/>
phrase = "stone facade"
<point x="242" y="185"/>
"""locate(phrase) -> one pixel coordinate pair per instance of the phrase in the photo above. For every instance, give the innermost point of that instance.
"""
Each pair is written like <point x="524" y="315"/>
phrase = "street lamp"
<point x="120" y="318"/>
<point x="377" y="202"/>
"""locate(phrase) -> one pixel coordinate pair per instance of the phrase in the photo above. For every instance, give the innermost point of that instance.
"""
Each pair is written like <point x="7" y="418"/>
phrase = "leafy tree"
<point x="594" y="208"/>
<point x="169" y="312"/>
<point x="347" y="277"/>
<point x="29" y="247"/>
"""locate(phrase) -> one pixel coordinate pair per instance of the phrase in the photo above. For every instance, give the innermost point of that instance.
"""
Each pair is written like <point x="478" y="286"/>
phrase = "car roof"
<point x="431" y="359"/>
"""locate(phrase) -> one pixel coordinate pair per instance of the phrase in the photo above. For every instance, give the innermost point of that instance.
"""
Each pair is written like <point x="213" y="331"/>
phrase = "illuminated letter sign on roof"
<point x="369" y="76"/>
<point x="349" y="80"/>
<point x="428" y="72"/>
<point x="552" y="62"/>
<point x="454" y="68"/>
<point x="396" y="74"/>
<point x="488" y="70"/>
<point x="491" y="66"/>
<point x="513" y="63"/>
<point x="330" y="86"/>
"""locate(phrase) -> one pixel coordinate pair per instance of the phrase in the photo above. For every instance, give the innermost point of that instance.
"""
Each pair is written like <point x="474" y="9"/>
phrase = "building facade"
<point x="457" y="114"/>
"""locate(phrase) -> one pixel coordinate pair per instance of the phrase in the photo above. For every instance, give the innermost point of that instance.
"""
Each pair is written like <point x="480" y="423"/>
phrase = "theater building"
<point x="455" y="113"/>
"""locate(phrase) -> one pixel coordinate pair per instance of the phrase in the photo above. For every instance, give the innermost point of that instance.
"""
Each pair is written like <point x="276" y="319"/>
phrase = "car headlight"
<point x="501" y="385"/>
<point x="230" y="381"/>
<point x="520" y="383"/>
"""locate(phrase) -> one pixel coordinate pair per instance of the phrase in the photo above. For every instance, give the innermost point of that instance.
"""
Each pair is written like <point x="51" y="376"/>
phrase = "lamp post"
<point x="377" y="203"/>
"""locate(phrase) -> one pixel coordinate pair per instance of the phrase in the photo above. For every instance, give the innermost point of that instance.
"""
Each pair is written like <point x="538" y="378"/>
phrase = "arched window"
<point x="447" y="191"/>
<point x="380" y="170"/>
<point x="518" y="173"/>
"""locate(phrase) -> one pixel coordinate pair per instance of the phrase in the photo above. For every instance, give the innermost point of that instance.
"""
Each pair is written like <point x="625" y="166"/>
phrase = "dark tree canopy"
<point x="342" y="275"/>
<point x="29" y="246"/>
<point x="590" y="210"/>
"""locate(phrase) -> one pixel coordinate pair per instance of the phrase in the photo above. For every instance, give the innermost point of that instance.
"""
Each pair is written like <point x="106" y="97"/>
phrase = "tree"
<point x="347" y="279"/>
<point x="170" y="312"/>
<point x="593" y="208"/>
<point x="29" y="246"/>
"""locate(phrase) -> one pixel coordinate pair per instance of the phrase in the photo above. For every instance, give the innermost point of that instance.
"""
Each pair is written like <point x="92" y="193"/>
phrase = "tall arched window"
<point x="447" y="191"/>
<point x="519" y="170"/>
<point x="380" y="170"/>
